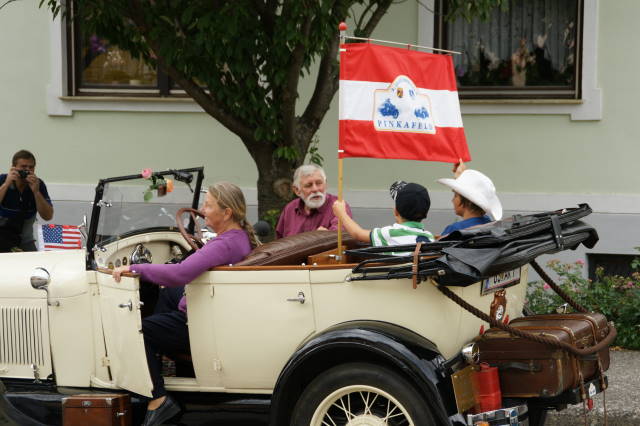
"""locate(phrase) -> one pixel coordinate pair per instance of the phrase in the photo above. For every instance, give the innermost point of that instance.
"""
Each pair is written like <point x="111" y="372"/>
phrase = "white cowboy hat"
<point x="477" y="188"/>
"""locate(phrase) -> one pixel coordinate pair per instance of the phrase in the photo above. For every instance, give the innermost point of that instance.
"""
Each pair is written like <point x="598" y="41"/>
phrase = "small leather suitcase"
<point x="532" y="369"/>
<point x="97" y="409"/>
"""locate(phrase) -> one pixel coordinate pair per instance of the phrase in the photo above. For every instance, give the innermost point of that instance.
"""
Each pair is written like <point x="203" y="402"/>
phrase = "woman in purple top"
<point x="224" y="211"/>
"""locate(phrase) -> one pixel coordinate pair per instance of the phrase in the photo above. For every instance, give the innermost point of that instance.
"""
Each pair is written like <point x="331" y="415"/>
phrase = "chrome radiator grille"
<point x="21" y="336"/>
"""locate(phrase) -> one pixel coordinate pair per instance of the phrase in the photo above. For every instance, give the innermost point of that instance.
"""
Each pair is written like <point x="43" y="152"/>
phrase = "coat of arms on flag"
<point x="57" y="237"/>
<point x="402" y="108"/>
<point x="399" y="103"/>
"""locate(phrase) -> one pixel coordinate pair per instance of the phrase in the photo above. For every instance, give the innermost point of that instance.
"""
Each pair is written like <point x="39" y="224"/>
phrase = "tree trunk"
<point x="274" y="180"/>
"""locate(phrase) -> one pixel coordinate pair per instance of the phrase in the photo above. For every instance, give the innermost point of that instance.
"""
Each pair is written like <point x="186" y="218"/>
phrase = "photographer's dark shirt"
<point x="16" y="208"/>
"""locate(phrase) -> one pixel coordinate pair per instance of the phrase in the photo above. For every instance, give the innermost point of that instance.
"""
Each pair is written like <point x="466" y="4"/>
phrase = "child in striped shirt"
<point x="412" y="205"/>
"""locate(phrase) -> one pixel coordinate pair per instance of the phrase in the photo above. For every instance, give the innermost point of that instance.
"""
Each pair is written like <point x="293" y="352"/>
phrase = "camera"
<point x="23" y="173"/>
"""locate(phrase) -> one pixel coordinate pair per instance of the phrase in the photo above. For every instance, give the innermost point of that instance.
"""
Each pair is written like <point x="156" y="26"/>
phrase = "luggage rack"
<point x="470" y="255"/>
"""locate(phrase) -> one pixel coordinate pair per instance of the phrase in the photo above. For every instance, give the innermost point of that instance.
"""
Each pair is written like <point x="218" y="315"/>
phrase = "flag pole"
<point x="339" y="255"/>
<point x="342" y="27"/>
<point x="417" y="46"/>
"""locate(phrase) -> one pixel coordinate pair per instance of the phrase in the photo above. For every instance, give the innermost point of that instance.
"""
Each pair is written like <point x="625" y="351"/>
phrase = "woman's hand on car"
<point x="117" y="272"/>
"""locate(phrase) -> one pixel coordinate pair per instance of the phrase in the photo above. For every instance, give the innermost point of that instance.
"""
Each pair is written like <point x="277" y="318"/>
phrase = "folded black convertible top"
<point x="470" y="255"/>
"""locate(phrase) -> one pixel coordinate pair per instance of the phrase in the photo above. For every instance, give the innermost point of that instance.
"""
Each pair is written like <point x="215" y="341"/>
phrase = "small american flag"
<point x="56" y="237"/>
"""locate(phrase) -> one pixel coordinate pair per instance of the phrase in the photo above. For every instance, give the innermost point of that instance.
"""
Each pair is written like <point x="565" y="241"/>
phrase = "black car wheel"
<point x="363" y="395"/>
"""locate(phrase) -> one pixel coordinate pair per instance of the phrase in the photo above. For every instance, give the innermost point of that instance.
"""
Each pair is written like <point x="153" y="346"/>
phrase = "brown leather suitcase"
<point x="97" y="409"/>
<point x="599" y="330"/>
<point x="532" y="369"/>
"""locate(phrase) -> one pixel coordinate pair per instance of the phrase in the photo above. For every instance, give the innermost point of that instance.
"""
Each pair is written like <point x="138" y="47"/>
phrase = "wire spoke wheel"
<point x="360" y="405"/>
<point x="361" y="394"/>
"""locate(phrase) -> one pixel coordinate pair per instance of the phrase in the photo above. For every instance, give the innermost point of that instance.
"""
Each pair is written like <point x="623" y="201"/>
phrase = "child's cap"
<point x="412" y="200"/>
<point x="395" y="187"/>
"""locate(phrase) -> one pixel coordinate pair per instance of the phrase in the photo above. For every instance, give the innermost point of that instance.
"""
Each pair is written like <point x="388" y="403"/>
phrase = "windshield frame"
<point x="99" y="193"/>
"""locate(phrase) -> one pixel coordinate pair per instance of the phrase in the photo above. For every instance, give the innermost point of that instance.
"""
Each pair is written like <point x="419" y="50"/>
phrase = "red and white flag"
<point x="399" y="103"/>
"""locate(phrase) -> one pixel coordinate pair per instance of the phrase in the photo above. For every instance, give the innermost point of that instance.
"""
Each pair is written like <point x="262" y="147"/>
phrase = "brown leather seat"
<point x="295" y="249"/>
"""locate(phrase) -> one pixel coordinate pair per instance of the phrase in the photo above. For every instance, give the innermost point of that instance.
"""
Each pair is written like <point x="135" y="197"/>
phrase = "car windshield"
<point x="131" y="204"/>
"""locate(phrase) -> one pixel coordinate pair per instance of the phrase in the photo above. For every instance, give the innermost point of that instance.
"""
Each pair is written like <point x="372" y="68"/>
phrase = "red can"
<point x="486" y="388"/>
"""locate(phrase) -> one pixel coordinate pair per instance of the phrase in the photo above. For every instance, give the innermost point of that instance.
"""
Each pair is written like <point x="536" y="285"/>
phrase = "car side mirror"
<point x="40" y="279"/>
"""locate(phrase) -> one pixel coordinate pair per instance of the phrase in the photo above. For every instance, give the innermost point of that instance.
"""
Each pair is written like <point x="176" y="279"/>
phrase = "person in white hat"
<point x="474" y="198"/>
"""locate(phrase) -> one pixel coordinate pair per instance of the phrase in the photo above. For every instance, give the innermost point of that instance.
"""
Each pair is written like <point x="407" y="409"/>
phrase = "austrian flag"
<point x="399" y="103"/>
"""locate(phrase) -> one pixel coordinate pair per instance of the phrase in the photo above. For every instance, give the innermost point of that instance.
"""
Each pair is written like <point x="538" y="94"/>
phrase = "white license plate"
<point x="501" y="280"/>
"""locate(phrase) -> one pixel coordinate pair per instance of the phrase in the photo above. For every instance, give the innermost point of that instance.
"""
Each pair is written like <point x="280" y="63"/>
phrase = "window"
<point x="612" y="264"/>
<point x="98" y="68"/>
<point x="104" y="67"/>
<point x="531" y="50"/>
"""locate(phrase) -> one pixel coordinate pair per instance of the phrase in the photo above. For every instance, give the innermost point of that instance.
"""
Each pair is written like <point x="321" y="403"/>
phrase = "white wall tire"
<point x="359" y="394"/>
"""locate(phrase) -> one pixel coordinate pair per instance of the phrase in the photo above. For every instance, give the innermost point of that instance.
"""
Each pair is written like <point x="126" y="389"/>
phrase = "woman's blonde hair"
<point x="230" y="196"/>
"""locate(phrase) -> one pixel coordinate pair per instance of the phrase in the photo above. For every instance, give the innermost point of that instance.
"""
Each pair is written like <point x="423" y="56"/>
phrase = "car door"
<point x="259" y="318"/>
<point x="122" y="324"/>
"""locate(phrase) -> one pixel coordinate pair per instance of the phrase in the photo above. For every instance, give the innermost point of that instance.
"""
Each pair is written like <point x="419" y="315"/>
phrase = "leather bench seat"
<point x="295" y="249"/>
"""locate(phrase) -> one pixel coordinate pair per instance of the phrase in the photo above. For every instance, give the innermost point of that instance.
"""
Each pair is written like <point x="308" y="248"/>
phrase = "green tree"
<point x="242" y="61"/>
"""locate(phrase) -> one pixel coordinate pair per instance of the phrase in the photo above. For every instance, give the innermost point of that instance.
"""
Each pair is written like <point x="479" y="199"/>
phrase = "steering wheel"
<point x="194" y="240"/>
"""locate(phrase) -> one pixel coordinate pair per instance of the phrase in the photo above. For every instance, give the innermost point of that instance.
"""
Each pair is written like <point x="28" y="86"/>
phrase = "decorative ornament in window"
<point x="104" y="65"/>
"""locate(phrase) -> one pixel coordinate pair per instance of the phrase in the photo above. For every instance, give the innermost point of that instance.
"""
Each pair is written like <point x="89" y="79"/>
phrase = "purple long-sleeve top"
<point x="227" y="248"/>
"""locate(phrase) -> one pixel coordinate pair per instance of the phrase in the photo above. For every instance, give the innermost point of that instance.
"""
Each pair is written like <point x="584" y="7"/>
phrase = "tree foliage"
<point x="242" y="62"/>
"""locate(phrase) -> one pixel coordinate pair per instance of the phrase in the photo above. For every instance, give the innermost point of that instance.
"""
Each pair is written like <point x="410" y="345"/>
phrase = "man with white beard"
<point x="312" y="210"/>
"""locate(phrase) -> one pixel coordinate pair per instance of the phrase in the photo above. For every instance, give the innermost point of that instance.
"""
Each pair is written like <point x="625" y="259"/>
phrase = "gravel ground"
<point x="622" y="397"/>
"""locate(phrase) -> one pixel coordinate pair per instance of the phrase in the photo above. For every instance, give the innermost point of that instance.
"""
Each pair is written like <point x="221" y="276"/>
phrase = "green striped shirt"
<point x="399" y="234"/>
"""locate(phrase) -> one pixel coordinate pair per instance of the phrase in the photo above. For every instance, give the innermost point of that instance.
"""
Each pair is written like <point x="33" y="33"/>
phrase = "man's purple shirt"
<point x="227" y="248"/>
<point x="294" y="219"/>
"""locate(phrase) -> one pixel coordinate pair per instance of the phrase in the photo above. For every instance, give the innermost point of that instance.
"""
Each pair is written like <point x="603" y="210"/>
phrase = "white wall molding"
<point x="590" y="107"/>
<point x="379" y="199"/>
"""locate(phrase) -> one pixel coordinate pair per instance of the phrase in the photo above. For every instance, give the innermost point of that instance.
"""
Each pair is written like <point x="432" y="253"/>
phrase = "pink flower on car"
<point x="146" y="173"/>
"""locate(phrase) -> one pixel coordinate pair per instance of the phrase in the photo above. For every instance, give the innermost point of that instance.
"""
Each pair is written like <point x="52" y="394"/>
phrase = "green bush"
<point x="617" y="297"/>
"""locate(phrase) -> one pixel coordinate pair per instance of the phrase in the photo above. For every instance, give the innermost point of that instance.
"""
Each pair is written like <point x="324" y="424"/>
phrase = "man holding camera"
<point x="22" y="195"/>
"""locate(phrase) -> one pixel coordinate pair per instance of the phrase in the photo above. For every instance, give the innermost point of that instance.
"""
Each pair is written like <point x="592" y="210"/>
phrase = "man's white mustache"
<point x="315" y="200"/>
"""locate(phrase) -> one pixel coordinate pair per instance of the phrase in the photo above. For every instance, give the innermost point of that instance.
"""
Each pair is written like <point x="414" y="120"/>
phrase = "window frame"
<point x="75" y="87"/>
<point x="588" y="107"/>
<point x="510" y="92"/>
<point x="61" y="101"/>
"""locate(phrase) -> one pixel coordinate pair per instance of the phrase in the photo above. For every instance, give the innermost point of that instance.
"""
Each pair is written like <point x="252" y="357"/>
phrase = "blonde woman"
<point x="224" y="211"/>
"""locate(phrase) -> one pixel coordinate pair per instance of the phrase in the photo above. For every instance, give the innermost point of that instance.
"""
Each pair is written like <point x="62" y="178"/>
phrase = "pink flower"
<point x="546" y="286"/>
<point x="146" y="173"/>
<point x="629" y="284"/>
<point x="580" y="262"/>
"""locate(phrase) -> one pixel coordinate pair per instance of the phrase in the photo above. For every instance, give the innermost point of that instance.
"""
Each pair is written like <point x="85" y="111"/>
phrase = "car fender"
<point x="10" y="415"/>
<point x="408" y="353"/>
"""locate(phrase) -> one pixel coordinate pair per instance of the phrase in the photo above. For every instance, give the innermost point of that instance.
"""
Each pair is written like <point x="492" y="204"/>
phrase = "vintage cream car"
<point x="290" y="336"/>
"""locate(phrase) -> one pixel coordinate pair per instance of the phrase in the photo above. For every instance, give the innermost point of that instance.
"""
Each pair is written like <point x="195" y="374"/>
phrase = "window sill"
<point x="588" y="108"/>
<point x="157" y="99"/>
<point x="67" y="105"/>
<point x="521" y="101"/>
